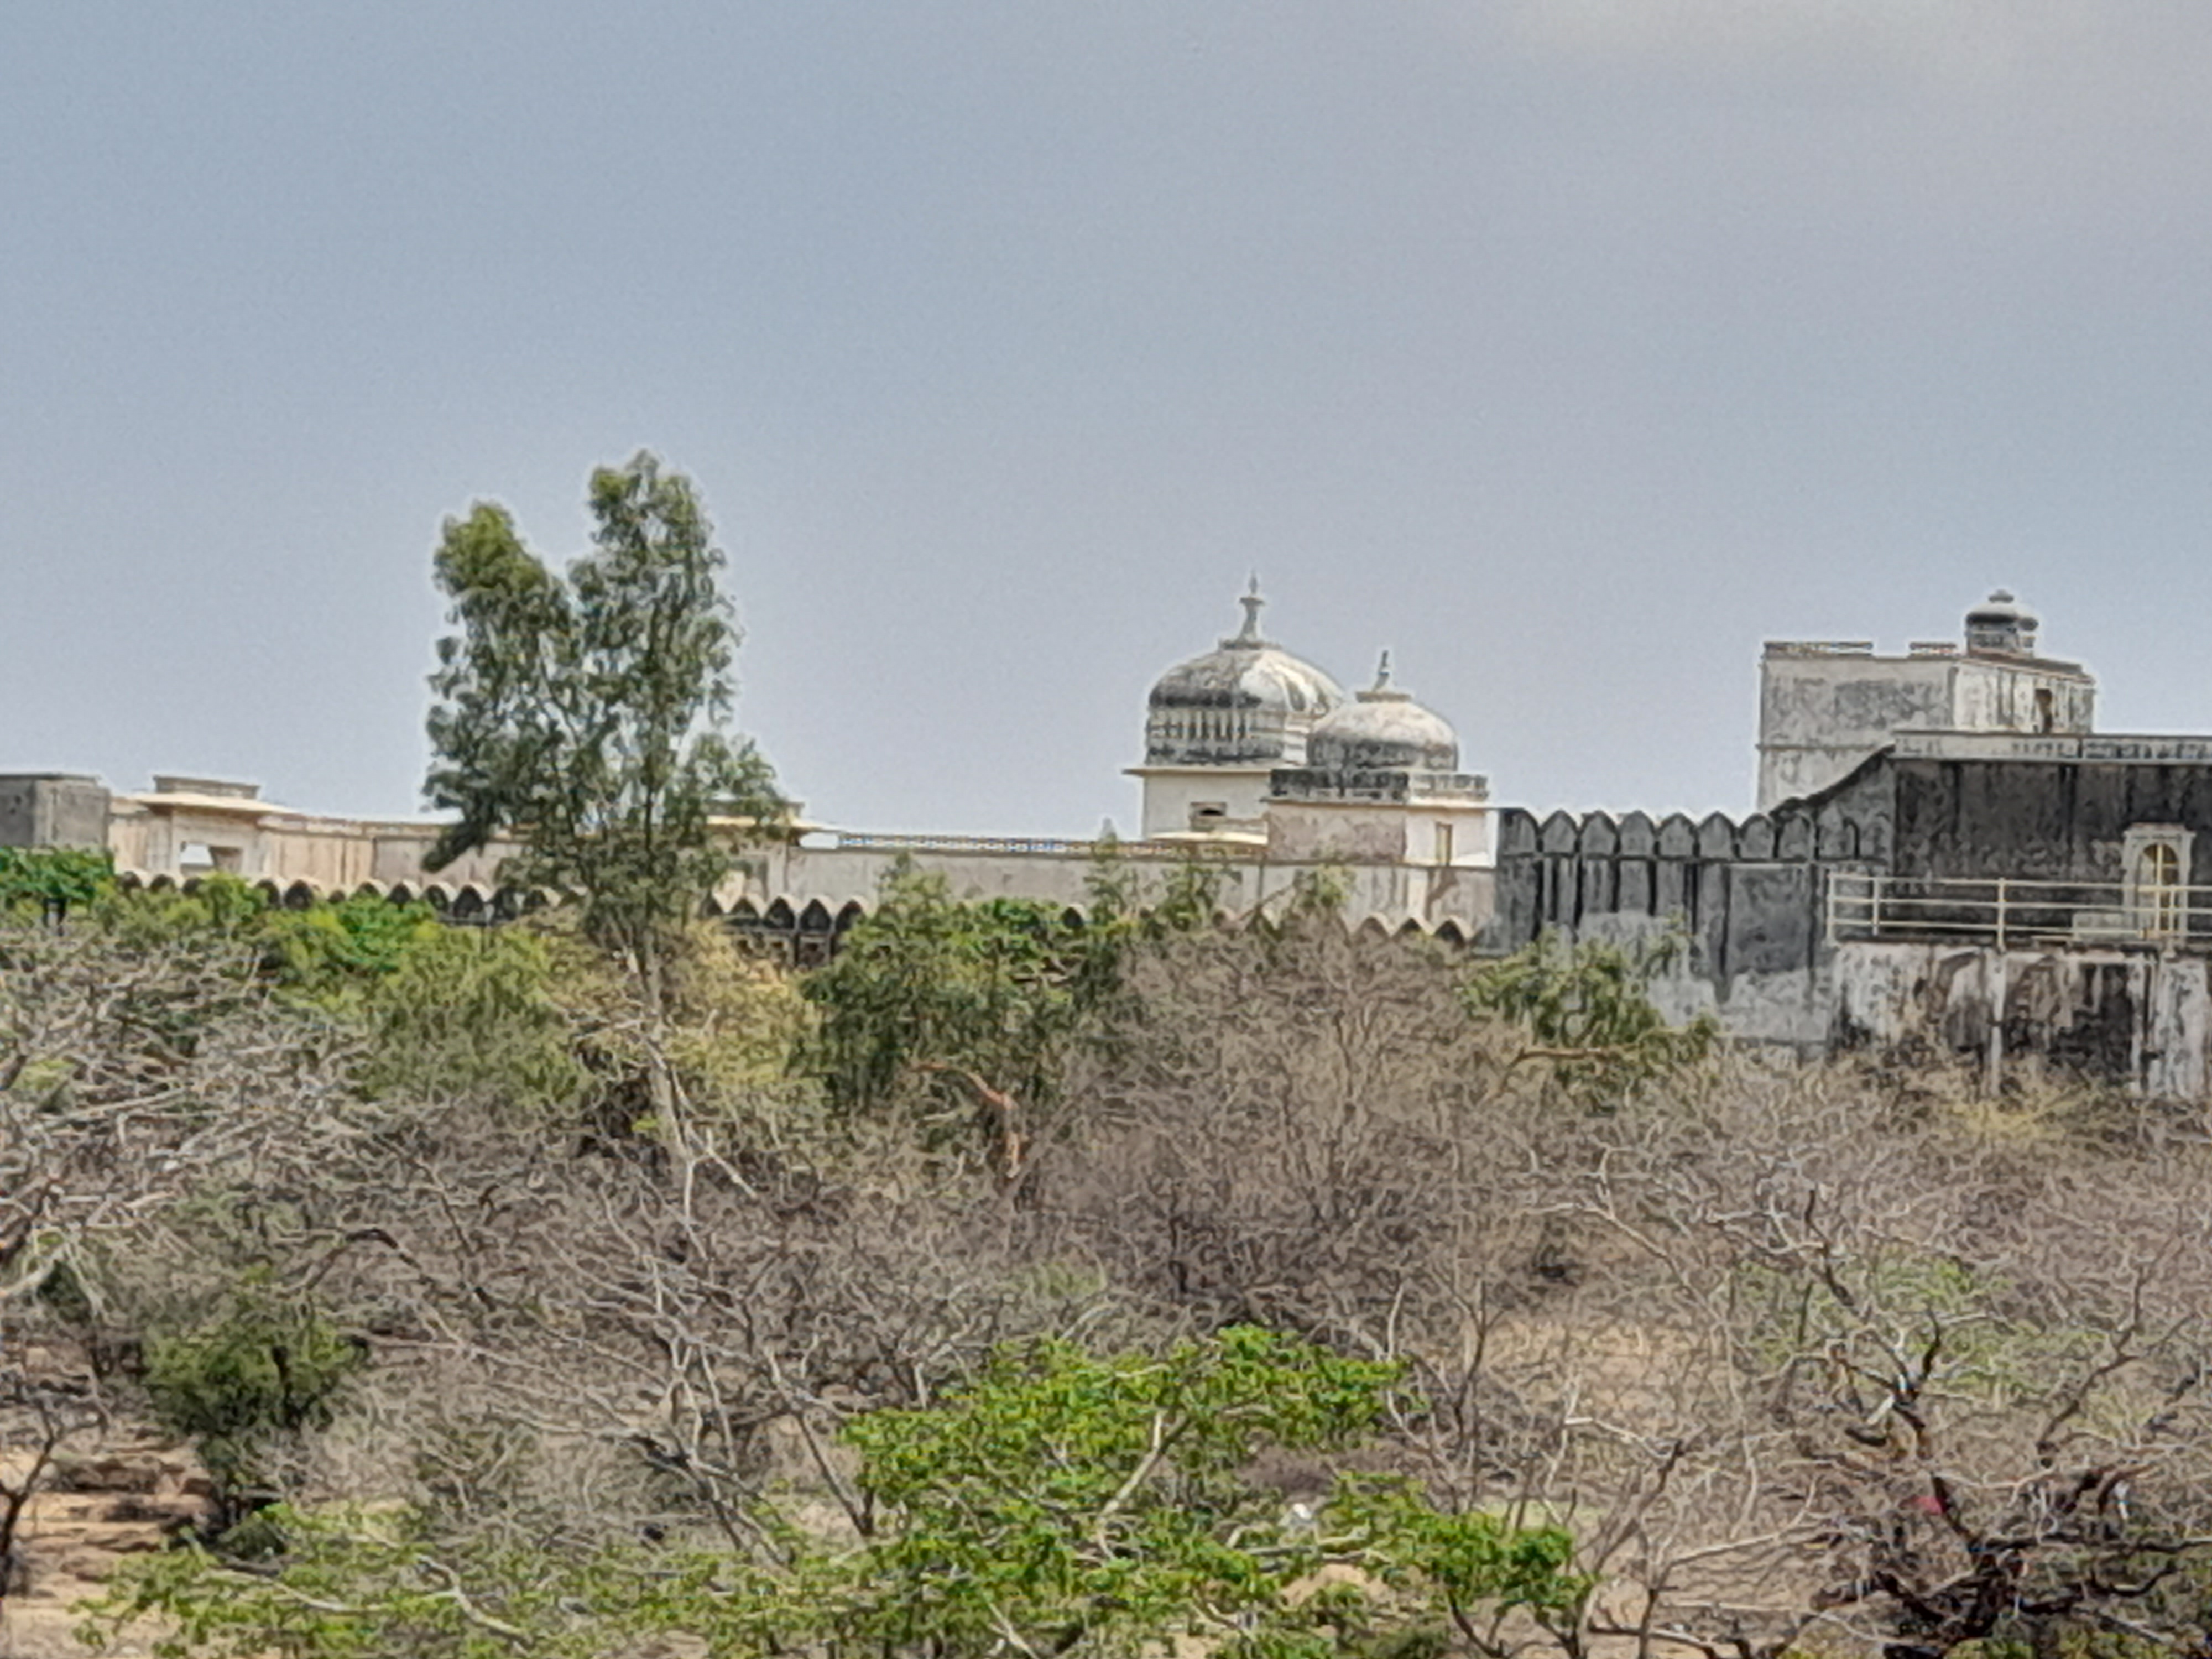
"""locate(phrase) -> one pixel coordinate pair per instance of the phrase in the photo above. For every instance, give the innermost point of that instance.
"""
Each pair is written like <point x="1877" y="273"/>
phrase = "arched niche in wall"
<point x="817" y="937"/>
<point x="1600" y="836"/>
<point x="1834" y="835"/>
<point x="1754" y="840"/>
<point x="1517" y="834"/>
<point x="1635" y="881"/>
<point x="1792" y="837"/>
<point x="1678" y="837"/>
<point x="1596" y="882"/>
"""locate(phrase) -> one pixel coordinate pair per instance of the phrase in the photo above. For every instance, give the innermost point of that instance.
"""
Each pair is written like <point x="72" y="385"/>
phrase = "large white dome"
<point x="1249" y="702"/>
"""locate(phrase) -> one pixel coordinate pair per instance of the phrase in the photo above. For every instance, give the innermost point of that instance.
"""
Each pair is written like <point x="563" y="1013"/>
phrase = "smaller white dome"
<point x="1383" y="730"/>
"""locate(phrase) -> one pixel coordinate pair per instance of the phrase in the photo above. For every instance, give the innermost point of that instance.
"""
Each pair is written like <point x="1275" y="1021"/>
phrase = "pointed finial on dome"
<point x="1382" y="690"/>
<point x="1253" y="605"/>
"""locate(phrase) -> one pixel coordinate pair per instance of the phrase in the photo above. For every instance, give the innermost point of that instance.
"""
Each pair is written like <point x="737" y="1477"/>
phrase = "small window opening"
<point x="2046" y="711"/>
<point x="2158" y="890"/>
<point x="1444" y="844"/>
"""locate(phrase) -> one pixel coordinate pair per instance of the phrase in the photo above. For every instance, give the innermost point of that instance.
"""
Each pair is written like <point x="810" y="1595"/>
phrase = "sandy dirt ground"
<point x="102" y="1500"/>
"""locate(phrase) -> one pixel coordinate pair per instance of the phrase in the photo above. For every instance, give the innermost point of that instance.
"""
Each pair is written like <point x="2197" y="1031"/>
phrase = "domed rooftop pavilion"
<point x="1381" y="784"/>
<point x="1999" y="623"/>
<point x="1217" y="726"/>
<point x="1248" y="702"/>
<point x="1383" y="730"/>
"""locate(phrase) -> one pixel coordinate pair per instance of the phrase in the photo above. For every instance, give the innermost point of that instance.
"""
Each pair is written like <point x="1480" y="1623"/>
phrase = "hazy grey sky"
<point x="1568" y="347"/>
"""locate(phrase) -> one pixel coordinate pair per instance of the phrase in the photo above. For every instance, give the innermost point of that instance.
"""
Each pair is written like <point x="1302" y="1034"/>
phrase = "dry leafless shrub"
<point x="1799" y="1360"/>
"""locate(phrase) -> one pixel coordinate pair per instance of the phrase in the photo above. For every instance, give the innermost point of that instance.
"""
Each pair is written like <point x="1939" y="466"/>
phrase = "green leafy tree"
<point x="1588" y="1012"/>
<point x="473" y="1013"/>
<point x="51" y="881"/>
<point x="1064" y="1504"/>
<point x="332" y="954"/>
<point x="221" y="911"/>
<point x="941" y="1006"/>
<point x="361" y="1583"/>
<point x="586" y="716"/>
<point x="263" y="1367"/>
<point x="938" y="1005"/>
<point x="1061" y="1503"/>
<point x="735" y="1025"/>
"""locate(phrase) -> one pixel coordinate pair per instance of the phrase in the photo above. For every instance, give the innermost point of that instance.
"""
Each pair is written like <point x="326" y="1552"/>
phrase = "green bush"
<point x="930" y="988"/>
<point x="471" y="1014"/>
<point x="1062" y="1503"/>
<point x="264" y="1366"/>
<point x="51" y="881"/>
<point x="1588" y="1012"/>
<point x="221" y="910"/>
<point x="333" y="953"/>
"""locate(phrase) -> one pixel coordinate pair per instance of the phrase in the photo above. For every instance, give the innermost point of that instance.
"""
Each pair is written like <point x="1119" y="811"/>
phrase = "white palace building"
<point x="1254" y="760"/>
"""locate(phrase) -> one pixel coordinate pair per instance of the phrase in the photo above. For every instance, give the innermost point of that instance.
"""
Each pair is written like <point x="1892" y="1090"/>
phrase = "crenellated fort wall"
<point x="806" y="886"/>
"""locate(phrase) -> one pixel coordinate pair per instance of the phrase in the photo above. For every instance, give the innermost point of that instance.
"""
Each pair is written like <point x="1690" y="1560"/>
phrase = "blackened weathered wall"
<point x="53" y="810"/>
<point x="1750" y="895"/>
<point x="2138" y="1017"/>
<point x="2041" y="820"/>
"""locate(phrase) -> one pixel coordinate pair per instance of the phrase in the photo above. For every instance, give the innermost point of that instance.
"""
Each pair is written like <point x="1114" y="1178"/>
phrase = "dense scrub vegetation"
<point x="1010" y="1288"/>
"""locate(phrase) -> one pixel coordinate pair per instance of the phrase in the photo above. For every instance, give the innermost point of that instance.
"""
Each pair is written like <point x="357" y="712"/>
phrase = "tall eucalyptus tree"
<point x="586" y="716"/>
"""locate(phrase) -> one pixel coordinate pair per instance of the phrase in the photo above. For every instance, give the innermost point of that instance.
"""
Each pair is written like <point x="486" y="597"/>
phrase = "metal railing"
<point x="2004" y="911"/>
<point x="845" y="841"/>
<point x="1819" y="647"/>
